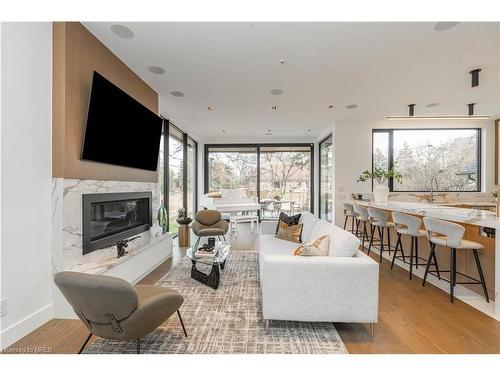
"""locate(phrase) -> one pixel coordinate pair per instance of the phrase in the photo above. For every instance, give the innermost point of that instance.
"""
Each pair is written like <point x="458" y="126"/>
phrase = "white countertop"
<point x="439" y="211"/>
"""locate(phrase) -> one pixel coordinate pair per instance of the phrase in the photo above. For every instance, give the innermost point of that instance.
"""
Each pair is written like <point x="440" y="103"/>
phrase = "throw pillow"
<point x="290" y="220"/>
<point x="317" y="247"/>
<point x="289" y="232"/>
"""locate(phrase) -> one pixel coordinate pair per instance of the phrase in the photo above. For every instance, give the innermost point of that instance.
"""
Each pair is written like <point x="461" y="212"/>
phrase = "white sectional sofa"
<point x="341" y="287"/>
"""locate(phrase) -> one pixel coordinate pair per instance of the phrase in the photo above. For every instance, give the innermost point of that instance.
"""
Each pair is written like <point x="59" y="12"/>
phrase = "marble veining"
<point x="67" y="220"/>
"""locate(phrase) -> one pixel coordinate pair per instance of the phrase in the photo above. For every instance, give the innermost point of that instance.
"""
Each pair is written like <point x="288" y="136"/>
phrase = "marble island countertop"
<point x="443" y="211"/>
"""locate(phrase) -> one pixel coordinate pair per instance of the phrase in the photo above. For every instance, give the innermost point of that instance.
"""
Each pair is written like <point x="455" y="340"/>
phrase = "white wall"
<point x="353" y="152"/>
<point x="26" y="78"/>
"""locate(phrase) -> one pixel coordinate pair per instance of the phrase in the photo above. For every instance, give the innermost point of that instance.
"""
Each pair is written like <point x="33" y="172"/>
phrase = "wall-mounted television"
<point x="120" y="130"/>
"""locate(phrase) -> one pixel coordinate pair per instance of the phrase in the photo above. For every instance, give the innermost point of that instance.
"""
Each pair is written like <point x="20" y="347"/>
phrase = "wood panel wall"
<point x="76" y="54"/>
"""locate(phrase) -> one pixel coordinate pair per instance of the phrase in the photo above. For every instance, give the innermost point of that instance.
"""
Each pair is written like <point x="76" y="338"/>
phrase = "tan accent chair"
<point x="112" y="308"/>
<point x="209" y="223"/>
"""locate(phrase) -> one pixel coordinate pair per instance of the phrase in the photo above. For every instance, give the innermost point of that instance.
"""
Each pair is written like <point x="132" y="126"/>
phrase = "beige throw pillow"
<point x="317" y="247"/>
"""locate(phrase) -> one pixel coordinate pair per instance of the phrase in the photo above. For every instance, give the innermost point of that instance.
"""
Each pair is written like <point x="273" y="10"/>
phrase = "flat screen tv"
<point x="120" y="130"/>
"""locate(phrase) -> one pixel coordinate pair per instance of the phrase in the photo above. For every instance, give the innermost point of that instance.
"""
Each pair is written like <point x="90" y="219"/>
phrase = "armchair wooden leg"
<point x="182" y="323"/>
<point x="138" y="346"/>
<point x="85" y="343"/>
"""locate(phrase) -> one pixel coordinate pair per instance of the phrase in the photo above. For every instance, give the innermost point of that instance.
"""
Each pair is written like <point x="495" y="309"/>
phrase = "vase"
<point x="380" y="193"/>
<point x="162" y="217"/>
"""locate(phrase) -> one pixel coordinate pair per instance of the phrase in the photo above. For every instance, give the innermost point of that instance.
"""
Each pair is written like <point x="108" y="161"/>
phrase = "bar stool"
<point x="349" y="213"/>
<point x="445" y="233"/>
<point x="408" y="225"/>
<point x="361" y="213"/>
<point x="380" y="219"/>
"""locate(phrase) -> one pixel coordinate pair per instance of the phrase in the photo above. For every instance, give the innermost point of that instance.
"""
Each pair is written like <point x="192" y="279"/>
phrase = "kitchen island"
<point x="480" y="226"/>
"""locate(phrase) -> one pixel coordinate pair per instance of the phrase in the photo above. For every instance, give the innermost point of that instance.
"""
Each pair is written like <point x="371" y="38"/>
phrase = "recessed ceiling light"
<point x="352" y="106"/>
<point x="443" y="26"/>
<point x="430" y="105"/>
<point x="274" y="107"/>
<point x="276" y="92"/>
<point x="156" y="69"/>
<point x="223" y="131"/>
<point x="308" y="130"/>
<point x="210" y="108"/>
<point x="330" y="107"/>
<point x="282" y="61"/>
<point x="122" y="31"/>
<point x="178" y="94"/>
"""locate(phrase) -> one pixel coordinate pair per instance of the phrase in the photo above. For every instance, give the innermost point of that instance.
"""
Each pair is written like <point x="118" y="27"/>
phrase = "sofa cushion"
<point x="342" y="242"/>
<point x="268" y="244"/>
<point x="308" y="220"/>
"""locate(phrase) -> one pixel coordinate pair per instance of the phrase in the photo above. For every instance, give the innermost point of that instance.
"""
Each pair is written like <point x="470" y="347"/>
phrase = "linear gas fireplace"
<point x="110" y="217"/>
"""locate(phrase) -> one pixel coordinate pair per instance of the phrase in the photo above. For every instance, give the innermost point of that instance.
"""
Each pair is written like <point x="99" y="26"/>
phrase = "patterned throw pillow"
<point x="289" y="232"/>
<point x="317" y="247"/>
<point x="290" y="220"/>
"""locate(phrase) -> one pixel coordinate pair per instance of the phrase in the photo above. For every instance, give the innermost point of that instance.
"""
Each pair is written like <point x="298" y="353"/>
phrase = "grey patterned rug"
<point x="227" y="320"/>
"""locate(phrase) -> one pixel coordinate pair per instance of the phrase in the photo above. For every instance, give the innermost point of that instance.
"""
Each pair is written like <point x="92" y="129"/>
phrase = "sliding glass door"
<point x="233" y="168"/>
<point x="278" y="176"/>
<point x="326" y="179"/>
<point x="285" y="180"/>
<point x="177" y="174"/>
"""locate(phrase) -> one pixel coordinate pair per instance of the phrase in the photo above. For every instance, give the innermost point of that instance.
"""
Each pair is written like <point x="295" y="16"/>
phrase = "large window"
<point x="278" y="176"/>
<point x="233" y="168"/>
<point x="326" y="179"/>
<point x="449" y="156"/>
<point x="177" y="174"/>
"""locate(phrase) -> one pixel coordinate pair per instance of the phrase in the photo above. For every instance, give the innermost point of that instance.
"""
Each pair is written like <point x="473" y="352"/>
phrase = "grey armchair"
<point x="209" y="223"/>
<point x="112" y="308"/>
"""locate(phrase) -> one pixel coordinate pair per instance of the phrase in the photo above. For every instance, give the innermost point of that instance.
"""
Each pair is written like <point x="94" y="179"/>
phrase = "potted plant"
<point x="182" y="216"/>
<point x="380" y="177"/>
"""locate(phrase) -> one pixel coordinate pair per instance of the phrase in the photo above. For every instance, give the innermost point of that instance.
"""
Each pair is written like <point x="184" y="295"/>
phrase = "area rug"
<point x="227" y="320"/>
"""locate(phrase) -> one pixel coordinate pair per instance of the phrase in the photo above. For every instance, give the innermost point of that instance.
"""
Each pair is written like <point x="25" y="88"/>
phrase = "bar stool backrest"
<point x="348" y="209"/>
<point x="453" y="232"/>
<point x="379" y="216"/>
<point x="410" y="222"/>
<point x="361" y="211"/>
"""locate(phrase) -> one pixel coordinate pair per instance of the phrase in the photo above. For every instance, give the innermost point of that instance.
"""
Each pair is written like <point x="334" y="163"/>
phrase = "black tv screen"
<point x="120" y="130"/>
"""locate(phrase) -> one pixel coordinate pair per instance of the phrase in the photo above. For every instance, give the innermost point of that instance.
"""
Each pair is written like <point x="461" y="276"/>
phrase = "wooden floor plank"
<point x="412" y="319"/>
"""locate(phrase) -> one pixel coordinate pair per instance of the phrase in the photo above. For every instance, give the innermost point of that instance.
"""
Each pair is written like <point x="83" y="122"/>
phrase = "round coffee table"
<point x="217" y="263"/>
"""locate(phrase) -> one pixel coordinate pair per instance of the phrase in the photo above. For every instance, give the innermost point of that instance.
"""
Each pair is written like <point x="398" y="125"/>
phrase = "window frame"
<point x="390" y="132"/>
<point x="329" y="136"/>
<point x="258" y="146"/>
<point x="166" y="163"/>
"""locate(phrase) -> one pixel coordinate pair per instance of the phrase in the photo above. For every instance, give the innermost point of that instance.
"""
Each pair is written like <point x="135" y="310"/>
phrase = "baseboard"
<point x="25" y="326"/>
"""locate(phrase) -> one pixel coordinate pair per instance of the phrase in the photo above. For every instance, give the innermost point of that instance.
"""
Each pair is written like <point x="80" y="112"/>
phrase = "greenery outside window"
<point x="451" y="156"/>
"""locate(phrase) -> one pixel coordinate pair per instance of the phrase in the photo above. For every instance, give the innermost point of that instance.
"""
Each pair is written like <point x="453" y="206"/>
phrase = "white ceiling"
<point x="382" y="67"/>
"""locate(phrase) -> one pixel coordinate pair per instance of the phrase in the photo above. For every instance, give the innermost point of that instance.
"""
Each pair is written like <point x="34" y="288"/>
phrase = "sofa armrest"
<point x="334" y="289"/>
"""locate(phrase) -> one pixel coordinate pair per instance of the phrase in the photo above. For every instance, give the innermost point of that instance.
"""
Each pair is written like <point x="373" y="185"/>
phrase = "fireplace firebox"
<point x="111" y="217"/>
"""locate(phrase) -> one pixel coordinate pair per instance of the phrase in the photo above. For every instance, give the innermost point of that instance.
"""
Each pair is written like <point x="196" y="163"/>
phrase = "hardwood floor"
<point x="412" y="319"/>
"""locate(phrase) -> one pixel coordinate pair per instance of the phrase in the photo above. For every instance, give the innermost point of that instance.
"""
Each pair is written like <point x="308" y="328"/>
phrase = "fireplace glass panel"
<point x="108" y="218"/>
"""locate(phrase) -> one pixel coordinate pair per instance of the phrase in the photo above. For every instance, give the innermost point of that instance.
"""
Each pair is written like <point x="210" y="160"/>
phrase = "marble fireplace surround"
<point x="66" y="249"/>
